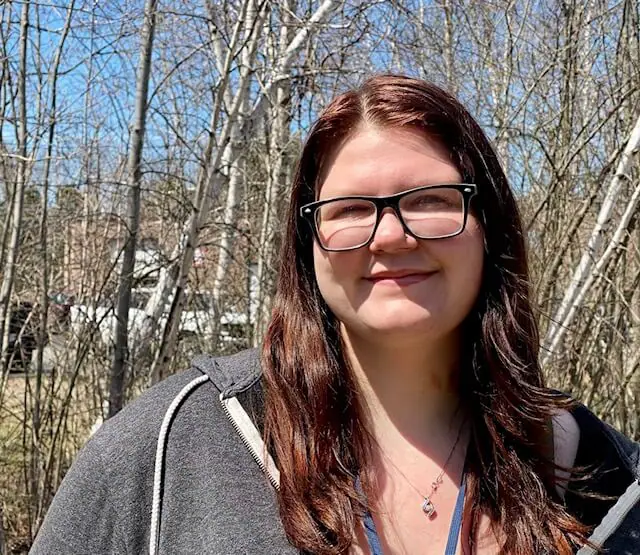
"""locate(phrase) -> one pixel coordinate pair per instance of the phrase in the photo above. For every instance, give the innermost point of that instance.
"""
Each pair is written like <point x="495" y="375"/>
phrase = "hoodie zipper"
<point x="232" y="405"/>
<point x="232" y="408"/>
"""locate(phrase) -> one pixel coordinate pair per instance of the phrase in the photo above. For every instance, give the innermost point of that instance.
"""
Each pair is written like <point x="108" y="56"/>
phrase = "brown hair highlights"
<point x="314" y="424"/>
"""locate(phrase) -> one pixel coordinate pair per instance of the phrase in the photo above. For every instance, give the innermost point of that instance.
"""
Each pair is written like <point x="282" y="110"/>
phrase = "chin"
<point x="398" y="319"/>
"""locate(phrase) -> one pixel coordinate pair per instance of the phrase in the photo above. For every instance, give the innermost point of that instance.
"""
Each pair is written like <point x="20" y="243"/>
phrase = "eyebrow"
<point x="425" y="185"/>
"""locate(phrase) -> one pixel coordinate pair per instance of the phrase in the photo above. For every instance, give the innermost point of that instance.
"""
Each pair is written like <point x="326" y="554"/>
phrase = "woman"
<point x="398" y="406"/>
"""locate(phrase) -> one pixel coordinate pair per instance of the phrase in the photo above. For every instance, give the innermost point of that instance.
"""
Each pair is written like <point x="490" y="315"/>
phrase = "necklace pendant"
<point x="428" y="508"/>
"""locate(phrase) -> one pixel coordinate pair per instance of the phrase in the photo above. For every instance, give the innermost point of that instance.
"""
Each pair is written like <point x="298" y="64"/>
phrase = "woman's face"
<point x="368" y="289"/>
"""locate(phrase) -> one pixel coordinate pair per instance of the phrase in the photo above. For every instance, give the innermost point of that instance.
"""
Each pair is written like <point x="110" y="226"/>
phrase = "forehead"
<point x="377" y="161"/>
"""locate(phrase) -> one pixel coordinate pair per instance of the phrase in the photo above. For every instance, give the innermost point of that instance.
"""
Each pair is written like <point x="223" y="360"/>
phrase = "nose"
<point x="390" y="234"/>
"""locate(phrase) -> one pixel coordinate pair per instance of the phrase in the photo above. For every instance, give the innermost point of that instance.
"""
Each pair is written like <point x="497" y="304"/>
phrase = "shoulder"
<point x="580" y="435"/>
<point x="185" y="409"/>
<point x="605" y="442"/>
<point x="566" y="438"/>
<point x="609" y="463"/>
<point x="187" y="404"/>
<point x="134" y="430"/>
<point x="132" y="434"/>
<point x="104" y="502"/>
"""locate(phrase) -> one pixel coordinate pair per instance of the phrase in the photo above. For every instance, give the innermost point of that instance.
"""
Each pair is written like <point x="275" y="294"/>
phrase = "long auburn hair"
<point x="314" y="423"/>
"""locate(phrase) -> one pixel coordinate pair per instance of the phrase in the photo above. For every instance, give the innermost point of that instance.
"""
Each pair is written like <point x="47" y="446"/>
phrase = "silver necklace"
<point x="428" y="507"/>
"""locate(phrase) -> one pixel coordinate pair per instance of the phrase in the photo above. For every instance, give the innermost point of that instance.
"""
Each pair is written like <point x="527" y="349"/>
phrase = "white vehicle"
<point x="102" y="319"/>
<point x="196" y="320"/>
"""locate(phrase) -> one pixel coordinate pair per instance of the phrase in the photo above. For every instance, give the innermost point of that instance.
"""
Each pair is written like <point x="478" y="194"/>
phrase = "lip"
<point x="400" y="277"/>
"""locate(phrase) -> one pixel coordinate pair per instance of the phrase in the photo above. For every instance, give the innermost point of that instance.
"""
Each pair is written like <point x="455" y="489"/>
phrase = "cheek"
<point x="335" y="275"/>
<point x="464" y="260"/>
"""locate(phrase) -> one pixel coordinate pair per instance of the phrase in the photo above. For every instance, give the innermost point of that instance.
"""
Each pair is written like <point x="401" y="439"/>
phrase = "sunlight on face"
<point x="398" y="284"/>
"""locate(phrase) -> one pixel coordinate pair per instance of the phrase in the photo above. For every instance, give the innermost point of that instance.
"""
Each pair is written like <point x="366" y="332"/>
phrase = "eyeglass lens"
<point x="429" y="214"/>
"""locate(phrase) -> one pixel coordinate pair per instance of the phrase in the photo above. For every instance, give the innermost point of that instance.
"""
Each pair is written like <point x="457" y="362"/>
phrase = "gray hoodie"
<point x="181" y="470"/>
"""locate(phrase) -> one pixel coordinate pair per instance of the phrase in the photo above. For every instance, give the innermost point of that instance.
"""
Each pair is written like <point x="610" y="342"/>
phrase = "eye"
<point x="346" y="209"/>
<point x="440" y="199"/>
<point x="352" y="209"/>
<point x="428" y="199"/>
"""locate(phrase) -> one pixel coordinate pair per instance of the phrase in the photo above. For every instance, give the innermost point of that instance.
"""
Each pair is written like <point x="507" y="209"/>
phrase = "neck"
<point x="409" y="391"/>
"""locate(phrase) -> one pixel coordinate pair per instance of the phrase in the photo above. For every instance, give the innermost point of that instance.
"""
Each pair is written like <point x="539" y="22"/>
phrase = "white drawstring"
<point x="154" y="537"/>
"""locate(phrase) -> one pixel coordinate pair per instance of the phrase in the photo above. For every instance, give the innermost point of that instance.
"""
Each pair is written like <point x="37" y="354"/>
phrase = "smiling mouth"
<point x="400" y="279"/>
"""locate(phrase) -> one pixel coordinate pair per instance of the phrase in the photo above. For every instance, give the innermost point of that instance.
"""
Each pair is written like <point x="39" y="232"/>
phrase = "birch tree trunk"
<point x="255" y="21"/>
<point x="169" y="281"/>
<point x="208" y="188"/>
<point x="35" y="470"/>
<point x="174" y="279"/>
<point x="633" y="368"/>
<point x="583" y="274"/>
<point x="7" y="190"/>
<point x="18" y="197"/>
<point x="278" y="177"/>
<point x="116" y="388"/>
<point x="449" y="55"/>
<point x="225" y="243"/>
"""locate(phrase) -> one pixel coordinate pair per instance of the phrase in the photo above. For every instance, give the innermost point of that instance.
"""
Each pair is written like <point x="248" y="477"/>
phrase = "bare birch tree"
<point x="6" y="288"/>
<point x="592" y="261"/>
<point x="36" y="449"/>
<point x="233" y="129"/>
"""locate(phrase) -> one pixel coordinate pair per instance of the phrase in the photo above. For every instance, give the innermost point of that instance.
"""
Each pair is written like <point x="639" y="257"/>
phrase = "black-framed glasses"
<point x="428" y="212"/>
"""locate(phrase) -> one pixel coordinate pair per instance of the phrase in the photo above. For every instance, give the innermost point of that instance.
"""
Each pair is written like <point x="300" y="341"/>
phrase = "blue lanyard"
<point x="454" y="528"/>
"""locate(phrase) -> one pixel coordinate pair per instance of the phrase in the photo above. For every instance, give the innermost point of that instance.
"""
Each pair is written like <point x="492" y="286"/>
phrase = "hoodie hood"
<point x="626" y="451"/>
<point x="231" y="374"/>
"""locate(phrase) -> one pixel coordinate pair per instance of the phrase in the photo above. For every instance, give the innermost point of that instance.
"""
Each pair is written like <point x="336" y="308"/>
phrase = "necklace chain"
<point x="427" y="504"/>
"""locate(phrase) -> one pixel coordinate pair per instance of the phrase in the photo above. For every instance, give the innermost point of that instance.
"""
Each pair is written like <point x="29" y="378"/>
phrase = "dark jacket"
<point x="196" y="437"/>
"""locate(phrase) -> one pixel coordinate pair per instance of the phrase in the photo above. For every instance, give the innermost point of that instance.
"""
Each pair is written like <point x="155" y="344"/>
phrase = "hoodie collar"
<point x="621" y="451"/>
<point x="231" y="374"/>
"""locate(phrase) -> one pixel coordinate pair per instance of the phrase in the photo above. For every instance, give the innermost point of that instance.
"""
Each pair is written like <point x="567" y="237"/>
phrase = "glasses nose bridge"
<point x="393" y="203"/>
<point x="388" y="202"/>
